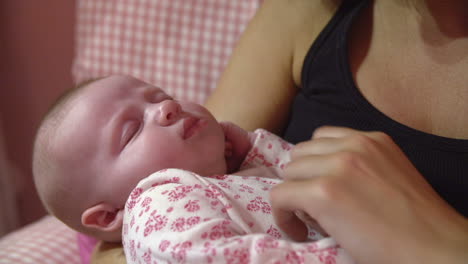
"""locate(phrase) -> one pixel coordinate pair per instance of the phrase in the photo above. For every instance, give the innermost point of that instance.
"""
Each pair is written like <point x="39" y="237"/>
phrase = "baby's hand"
<point x="237" y="145"/>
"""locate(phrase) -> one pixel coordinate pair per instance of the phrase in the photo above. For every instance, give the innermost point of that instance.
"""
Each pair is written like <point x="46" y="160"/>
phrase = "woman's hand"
<point x="361" y="188"/>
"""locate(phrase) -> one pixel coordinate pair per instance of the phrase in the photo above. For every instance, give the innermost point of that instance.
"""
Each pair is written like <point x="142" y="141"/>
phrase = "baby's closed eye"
<point x="129" y="131"/>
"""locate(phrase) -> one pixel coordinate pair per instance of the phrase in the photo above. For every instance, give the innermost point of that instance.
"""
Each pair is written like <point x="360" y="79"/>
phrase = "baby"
<point x="100" y="140"/>
<point x="118" y="153"/>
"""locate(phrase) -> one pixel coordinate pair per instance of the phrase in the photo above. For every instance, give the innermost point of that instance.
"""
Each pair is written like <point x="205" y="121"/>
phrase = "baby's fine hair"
<point x="55" y="198"/>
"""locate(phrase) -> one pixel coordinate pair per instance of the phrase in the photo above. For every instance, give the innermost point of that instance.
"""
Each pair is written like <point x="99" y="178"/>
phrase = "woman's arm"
<point x="257" y="86"/>
<point x="108" y="253"/>
<point x="263" y="75"/>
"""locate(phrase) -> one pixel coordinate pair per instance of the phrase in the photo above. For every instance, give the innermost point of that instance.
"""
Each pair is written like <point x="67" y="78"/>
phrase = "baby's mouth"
<point x="192" y="126"/>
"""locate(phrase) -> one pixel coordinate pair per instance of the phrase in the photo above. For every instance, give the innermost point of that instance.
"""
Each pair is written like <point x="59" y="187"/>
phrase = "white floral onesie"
<point x="176" y="216"/>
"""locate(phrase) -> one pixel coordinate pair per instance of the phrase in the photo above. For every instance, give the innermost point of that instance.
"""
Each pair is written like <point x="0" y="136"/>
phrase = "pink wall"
<point x="36" y="51"/>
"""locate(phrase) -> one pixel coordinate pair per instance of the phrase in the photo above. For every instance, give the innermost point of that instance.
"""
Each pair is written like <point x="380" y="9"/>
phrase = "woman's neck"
<point x="439" y="28"/>
<point x="435" y="19"/>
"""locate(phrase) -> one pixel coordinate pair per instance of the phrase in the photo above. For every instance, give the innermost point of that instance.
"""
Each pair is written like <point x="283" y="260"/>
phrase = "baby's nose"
<point x="169" y="111"/>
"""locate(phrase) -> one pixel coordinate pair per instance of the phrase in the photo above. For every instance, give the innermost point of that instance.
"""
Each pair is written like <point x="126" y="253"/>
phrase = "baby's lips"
<point x="190" y="126"/>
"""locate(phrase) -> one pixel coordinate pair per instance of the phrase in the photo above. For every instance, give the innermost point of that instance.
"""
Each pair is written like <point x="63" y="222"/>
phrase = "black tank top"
<point x="329" y="96"/>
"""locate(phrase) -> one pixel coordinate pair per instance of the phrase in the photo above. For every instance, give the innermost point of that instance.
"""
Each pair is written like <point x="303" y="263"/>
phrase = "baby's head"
<point x="100" y="140"/>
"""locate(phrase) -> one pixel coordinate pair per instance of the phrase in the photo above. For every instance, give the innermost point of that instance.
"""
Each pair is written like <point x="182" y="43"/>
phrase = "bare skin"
<point x="422" y="68"/>
<point x="409" y="58"/>
<point x="398" y="43"/>
<point x="107" y="252"/>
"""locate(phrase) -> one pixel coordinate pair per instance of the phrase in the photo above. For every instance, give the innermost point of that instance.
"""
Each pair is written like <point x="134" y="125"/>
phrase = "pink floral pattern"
<point x="133" y="198"/>
<point x="154" y="223"/>
<point x="192" y="206"/>
<point x="258" y="204"/>
<point x="274" y="232"/>
<point x="175" y="216"/>
<point x="164" y="245"/>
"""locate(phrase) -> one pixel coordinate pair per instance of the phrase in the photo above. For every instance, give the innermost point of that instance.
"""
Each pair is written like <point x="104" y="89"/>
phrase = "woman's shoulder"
<point x="296" y="24"/>
<point x="300" y="17"/>
<point x="267" y="60"/>
<point x="311" y="19"/>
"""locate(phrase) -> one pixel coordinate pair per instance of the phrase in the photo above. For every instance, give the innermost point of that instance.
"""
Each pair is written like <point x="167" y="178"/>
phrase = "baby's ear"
<point x="103" y="217"/>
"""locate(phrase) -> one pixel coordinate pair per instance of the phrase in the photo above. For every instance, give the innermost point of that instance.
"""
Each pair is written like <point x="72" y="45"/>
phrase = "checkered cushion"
<point x="46" y="241"/>
<point x="179" y="45"/>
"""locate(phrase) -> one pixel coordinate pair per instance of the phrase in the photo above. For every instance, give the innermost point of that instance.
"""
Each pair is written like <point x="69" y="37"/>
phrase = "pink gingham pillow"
<point x="179" y="45"/>
<point x="46" y="241"/>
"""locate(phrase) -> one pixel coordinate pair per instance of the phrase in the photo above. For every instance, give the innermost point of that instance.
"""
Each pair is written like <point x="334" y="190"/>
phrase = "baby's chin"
<point x="217" y="168"/>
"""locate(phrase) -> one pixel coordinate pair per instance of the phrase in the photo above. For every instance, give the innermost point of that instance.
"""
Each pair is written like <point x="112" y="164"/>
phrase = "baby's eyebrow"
<point x="155" y="94"/>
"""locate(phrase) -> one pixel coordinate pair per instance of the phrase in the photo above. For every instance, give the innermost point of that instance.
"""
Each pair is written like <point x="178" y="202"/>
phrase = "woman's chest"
<point x="417" y="93"/>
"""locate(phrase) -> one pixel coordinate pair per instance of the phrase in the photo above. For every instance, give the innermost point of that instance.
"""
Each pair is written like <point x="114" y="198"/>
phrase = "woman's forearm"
<point x="257" y="87"/>
<point x="108" y="253"/>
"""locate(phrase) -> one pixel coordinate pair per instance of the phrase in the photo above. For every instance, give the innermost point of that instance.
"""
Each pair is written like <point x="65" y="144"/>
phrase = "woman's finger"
<point x="330" y="139"/>
<point x="320" y="146"/>
<point x="286" y="199"/>
<point x="334" y="132"/>
<point x="311" y="166"/>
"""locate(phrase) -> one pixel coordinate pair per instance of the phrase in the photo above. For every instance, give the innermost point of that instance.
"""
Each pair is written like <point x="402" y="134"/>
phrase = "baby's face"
<point x="119" y="130"/>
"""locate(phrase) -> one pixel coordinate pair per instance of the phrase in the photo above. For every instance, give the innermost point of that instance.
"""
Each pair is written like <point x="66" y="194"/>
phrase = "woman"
<point x="392" y="66"/>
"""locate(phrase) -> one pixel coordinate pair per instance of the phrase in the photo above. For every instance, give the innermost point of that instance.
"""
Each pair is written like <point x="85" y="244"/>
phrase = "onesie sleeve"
<point x="184" y="218"/>
<point x="268" y="151"/>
